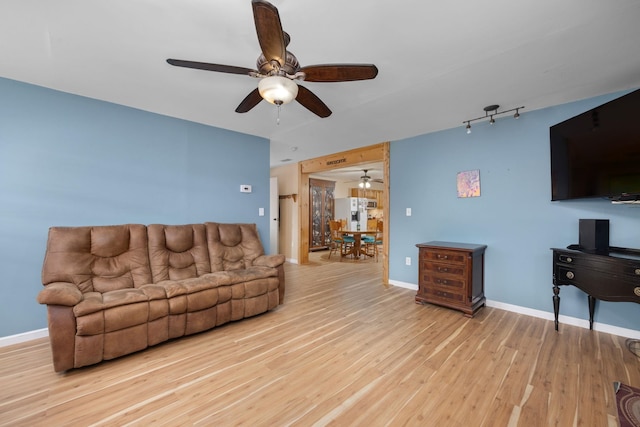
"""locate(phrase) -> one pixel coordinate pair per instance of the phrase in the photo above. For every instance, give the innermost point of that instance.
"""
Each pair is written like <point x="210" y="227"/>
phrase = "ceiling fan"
<point x="366" y="180"/>
<point x="278" y="68"/>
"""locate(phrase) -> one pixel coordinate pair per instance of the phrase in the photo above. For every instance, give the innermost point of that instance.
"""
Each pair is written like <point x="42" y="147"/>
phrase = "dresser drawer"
<point x="450" y="283"/>
<point x="439" y="294"/>
<point x="449" y="257"/>
<point x="443" y="269"/>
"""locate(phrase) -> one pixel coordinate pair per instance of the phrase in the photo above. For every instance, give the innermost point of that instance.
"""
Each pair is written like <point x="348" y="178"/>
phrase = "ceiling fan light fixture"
<point x="364" y="180"/>
<point x="277" y="90"/>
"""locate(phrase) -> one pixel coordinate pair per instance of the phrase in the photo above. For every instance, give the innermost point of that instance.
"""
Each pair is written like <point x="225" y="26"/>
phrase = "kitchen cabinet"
<point x="370" y="194"/>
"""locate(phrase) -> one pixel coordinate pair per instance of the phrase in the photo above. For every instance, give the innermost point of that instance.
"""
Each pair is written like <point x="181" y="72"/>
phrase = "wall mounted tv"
<point x="597" y="153"/>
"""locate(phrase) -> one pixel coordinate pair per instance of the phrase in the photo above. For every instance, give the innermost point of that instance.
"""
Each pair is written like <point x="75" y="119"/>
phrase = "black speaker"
<point x="594" y="235"/>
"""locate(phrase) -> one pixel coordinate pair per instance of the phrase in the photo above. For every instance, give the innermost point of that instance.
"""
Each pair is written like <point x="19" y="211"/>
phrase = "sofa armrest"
<point x="274" y="261"/>
<point x="269" y="260"/>
<point x="60" y="293"/>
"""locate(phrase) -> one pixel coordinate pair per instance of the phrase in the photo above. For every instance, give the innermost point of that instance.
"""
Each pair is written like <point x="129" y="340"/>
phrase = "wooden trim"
<point x="373" y="153"/>
<point x="357" y="156"/>
<point x="386" y="215"/>
<point x="288" y="196"/>
<point x="303" y="216"/>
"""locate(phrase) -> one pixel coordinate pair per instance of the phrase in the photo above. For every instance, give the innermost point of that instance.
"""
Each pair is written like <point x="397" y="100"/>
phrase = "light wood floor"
<point x="343" y="350"/>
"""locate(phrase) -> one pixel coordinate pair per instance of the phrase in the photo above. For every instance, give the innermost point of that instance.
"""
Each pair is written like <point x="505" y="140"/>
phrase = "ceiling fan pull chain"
<point x="278" y="119"/>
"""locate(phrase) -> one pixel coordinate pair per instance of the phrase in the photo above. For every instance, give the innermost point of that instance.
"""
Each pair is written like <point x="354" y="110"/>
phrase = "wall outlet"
<point x="244" y="188"/>
<point x="407" y="260"/>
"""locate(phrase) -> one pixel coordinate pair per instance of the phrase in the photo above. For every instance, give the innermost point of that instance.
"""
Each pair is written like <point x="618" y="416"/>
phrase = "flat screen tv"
<point x="597" y="153"/>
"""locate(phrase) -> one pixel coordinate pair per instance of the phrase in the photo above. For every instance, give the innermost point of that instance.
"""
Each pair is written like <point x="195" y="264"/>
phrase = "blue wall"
<point x="513" y="216"/>
<point x="66" y="160"/>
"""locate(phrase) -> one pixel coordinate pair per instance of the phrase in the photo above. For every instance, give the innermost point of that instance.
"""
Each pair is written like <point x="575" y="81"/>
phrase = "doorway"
<point x="356" y="157"/>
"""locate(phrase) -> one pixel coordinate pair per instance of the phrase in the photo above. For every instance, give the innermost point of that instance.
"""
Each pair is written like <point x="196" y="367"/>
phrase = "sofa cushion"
<point x="96" y="301"/>
<point x="248" y="274"/>
<point x="100" y="259"/>
<point x="232" y="246"/>
<point x="178" y="252"/>
<point x="122" y="309"/>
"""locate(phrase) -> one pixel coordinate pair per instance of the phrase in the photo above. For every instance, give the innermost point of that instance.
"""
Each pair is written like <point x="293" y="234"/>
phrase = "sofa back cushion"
<point x="232" y="246"/>
<point x="178" y="252"/>
<point x="97" y="259"/>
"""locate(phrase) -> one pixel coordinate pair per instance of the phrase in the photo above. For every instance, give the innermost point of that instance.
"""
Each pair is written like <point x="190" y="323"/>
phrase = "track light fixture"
<point x="489" y="112"/>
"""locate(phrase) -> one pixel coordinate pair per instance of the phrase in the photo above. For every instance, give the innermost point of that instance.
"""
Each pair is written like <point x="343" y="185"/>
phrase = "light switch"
<point x="260" y="211"/>
<point x="408" y="211"/>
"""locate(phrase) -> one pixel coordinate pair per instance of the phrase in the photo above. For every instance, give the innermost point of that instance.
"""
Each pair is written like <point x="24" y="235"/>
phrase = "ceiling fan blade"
<point x="249" y="102"/>
<point x="269" y="30"/>
<point x="339" y="72"/>
<point x="312" y="103"/>
<point x="212" y="67"/>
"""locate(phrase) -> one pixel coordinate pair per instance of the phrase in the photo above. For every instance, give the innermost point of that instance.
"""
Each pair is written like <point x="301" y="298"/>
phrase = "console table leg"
<point x="592" y="309"/>
<point x="556" y="303"/>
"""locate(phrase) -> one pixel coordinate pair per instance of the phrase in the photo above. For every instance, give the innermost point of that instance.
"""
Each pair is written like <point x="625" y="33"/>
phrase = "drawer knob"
<point x="570" y="275"/>
<point x="569" y="259"/>
<point x="637" y="271"/>
<point x="637" y="291"/>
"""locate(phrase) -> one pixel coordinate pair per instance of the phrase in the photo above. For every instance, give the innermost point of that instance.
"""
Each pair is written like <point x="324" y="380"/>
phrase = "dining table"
<point x="356" y="250"/>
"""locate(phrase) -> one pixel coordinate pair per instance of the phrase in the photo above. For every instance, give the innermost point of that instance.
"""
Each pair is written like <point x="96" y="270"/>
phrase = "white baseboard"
<point x="23" y="337"/>
<point x="567" y="320"/>
<point x="406" y="285"/>
<point x="292" y="260"/>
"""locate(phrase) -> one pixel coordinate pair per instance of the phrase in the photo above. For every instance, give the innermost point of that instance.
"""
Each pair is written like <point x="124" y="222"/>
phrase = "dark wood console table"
<point x="608" y="276"/>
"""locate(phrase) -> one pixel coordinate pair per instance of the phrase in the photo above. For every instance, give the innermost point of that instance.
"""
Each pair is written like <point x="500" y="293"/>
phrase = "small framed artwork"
<point x="469" y="183"/>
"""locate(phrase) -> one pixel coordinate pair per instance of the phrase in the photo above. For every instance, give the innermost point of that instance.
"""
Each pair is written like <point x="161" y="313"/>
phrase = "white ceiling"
<point x="439" y="62"/>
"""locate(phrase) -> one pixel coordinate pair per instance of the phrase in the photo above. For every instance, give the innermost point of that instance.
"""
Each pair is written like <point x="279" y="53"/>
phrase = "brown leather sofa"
<point x="115" y="290"/>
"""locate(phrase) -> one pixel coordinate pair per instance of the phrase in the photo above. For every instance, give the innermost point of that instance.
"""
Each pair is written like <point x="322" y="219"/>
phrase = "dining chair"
<point x="339" y="242"/>
<point x="372" y="245"/>
<point x="372" y="225"/>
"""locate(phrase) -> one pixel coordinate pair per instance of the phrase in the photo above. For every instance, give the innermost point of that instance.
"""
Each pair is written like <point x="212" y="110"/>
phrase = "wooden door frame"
<point x="358" y="156"/>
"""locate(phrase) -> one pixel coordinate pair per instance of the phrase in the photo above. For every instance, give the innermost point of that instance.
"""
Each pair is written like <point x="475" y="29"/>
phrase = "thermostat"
<point x="245" y="188"/>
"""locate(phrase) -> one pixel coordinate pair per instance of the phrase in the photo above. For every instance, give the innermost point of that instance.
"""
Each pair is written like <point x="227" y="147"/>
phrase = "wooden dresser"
<point x="451" y="275"/>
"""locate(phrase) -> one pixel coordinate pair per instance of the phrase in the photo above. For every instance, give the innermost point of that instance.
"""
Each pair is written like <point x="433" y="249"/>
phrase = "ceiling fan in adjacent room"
<point x="278" y="69"/>
<point x="366" y="180"/>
